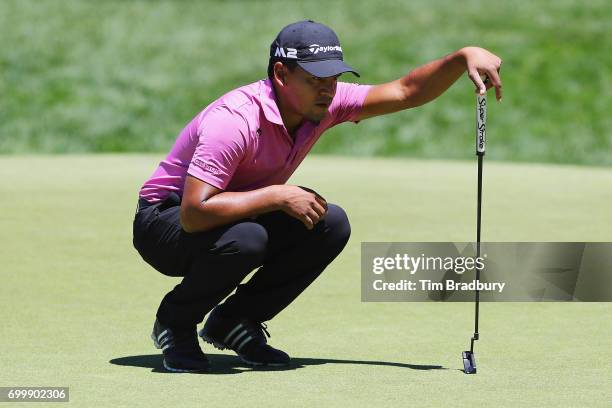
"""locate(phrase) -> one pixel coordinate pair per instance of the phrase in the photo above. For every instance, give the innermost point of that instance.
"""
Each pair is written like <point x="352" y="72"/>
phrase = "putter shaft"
<point x="481" y="137"/>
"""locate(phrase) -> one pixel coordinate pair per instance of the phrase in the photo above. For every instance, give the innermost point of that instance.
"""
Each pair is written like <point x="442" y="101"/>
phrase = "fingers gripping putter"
<point x="469" y="360"/>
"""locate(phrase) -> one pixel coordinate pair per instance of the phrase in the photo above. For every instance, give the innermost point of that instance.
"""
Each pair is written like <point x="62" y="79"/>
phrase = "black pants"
<point x="213" y="263"/>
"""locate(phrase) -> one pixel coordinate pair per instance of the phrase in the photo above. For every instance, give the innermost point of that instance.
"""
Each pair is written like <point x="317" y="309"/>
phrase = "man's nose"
<point x="327" y="88"/>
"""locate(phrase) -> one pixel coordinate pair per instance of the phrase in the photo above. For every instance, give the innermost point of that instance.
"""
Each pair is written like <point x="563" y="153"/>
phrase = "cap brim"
<point x="326" y="68"/>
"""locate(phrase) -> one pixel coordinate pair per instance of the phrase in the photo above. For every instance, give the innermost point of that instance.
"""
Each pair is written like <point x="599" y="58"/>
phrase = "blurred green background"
<point x="116" y="76"/>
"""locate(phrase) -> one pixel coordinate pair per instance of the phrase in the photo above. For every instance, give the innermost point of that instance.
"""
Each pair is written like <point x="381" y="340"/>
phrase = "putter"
<point x="469" y="360"/>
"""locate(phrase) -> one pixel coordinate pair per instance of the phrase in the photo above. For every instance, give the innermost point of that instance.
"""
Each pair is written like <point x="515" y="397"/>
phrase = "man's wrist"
<point x="275" y="198"/>
<point x="461" y="56"/>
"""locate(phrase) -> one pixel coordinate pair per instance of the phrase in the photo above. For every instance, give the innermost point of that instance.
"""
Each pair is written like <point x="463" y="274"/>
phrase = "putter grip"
<point x="481" y="124"/>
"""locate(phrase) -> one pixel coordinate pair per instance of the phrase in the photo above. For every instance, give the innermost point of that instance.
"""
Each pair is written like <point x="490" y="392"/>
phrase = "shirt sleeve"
<point x="348" y="101"/>
<point x="221" y="147"/>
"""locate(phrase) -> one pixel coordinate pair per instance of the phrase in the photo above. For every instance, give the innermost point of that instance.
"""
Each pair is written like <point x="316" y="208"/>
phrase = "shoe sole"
<point x="215" y="344"/>
<point x="183" y="370"/>
<point x="175" y="370"/>
<point x="221" y="346"/>
<point x="256" y="364"/>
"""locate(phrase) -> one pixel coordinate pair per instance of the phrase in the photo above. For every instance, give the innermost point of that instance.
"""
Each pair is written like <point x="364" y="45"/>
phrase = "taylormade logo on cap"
<point x="314" y="46"/>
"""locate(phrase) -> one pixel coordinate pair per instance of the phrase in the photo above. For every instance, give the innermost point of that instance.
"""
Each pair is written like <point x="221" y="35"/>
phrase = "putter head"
<point x="469" y="362"/>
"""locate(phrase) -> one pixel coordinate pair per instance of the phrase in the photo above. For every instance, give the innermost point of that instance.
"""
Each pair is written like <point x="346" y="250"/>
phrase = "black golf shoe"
<point x="182" y="353"/>
<point x="243" y="336"/>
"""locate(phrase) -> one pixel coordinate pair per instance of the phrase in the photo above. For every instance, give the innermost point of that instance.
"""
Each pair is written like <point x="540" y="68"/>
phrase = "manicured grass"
<point x="77" y="303"/>
<point x="127" y="76"/>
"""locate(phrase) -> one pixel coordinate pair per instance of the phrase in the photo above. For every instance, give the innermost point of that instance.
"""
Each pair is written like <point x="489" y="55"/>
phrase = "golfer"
<point x="217" y="207"/>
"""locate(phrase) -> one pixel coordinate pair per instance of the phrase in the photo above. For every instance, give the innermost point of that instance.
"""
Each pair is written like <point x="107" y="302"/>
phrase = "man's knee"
<point x="247" y="241"/>
<point x="337" y="223"/>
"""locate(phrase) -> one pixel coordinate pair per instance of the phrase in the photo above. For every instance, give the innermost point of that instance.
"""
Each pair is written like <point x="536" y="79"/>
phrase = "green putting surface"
<point x="77" y="303"/>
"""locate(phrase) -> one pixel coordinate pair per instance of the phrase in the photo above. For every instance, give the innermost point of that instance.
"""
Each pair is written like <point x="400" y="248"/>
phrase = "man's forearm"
<point x="429" y="81"/>
<point x="226" y="207"/>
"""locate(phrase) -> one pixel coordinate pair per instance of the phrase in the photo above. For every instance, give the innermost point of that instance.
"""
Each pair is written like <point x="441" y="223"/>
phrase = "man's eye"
<point x="313" y="80"/>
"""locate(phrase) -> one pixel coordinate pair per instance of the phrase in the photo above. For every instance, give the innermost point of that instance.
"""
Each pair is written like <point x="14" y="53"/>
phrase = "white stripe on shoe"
<point x="231" y="333"/>
<point x="237" y="338"/>
<point x="161" y="335"/>
<point x="167" y="342"/>
<point x="245" y="341"/>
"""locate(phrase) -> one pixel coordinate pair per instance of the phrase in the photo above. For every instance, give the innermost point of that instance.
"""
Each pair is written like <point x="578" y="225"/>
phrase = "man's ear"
<point x="280" y="72"/>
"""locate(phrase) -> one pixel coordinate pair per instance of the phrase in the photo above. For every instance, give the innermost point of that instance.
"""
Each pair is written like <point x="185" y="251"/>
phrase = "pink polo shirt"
<point x="239" y="142"/>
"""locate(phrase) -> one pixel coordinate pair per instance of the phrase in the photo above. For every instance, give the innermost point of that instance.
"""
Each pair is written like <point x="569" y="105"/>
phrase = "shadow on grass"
<point x="229" y="364"/>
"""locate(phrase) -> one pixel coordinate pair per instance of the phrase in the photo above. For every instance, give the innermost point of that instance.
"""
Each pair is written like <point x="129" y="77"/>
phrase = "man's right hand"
<point x="302" y="203"/>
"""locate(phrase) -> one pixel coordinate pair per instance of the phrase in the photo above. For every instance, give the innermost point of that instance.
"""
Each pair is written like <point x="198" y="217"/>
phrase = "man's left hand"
<point x="479" y="62"/>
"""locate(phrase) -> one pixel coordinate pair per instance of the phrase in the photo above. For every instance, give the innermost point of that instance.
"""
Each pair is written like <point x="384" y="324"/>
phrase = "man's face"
<point x="308" y="95"/>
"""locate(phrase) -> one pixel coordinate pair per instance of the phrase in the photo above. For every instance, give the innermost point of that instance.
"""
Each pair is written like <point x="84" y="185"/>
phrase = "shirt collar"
<point x="268" y="102"/>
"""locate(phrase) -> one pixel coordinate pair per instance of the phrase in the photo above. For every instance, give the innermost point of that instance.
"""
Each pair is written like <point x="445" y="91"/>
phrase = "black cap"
<point x="314" y="46"/>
